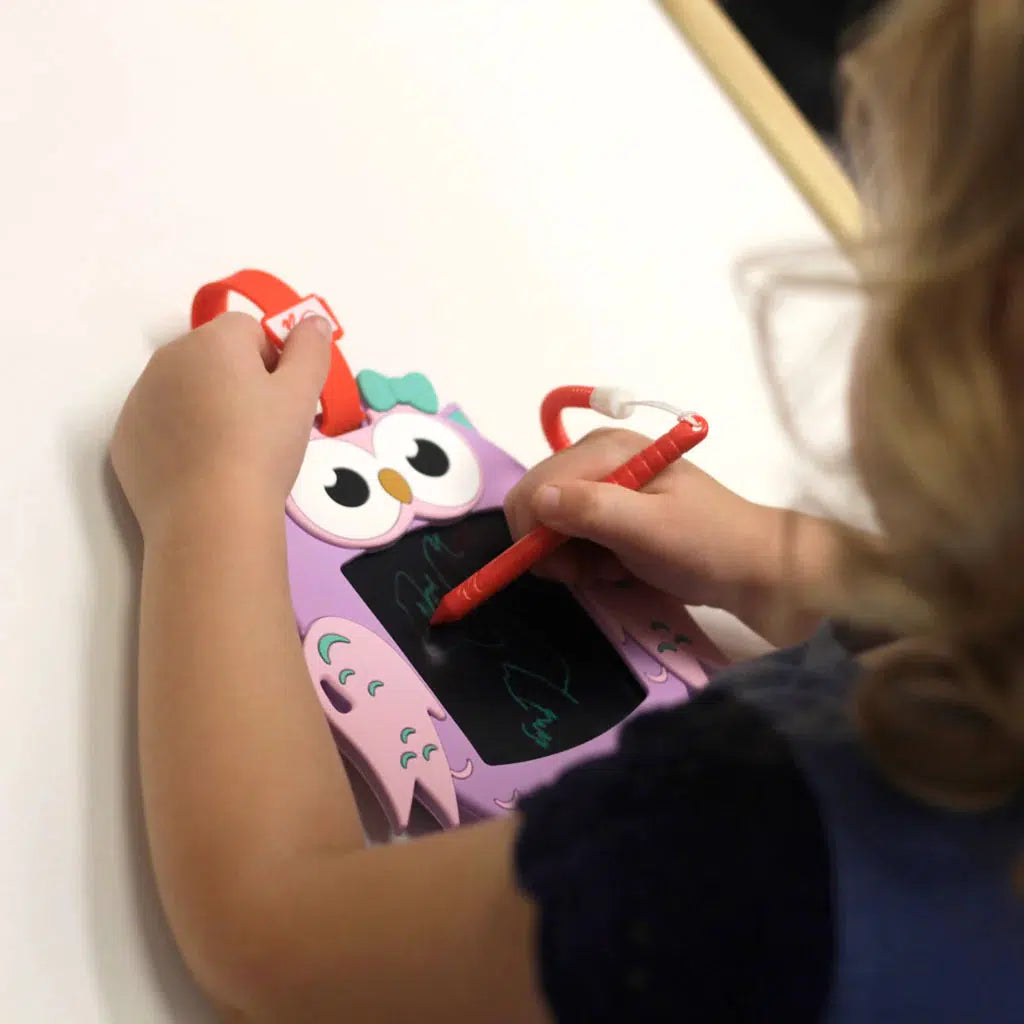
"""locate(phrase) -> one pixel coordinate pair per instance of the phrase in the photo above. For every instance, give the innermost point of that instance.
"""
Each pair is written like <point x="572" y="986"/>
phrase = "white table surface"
<point x="508" y="196"/>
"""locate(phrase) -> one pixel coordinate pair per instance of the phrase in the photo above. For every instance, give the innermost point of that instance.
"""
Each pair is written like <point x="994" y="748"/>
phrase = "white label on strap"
<point x="280" y="325"/>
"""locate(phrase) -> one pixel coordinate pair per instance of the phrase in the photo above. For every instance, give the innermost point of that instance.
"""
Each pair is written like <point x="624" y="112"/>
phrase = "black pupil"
<point x="430" y="459"/>
<point x="349" y="489"/>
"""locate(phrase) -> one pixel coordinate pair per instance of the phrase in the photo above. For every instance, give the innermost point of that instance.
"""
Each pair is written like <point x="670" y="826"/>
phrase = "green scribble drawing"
<point x="433" y="545"/>
<point x="666" y="646"/>
<point x="663" y="626"/>
<point x="536" y="729"/>
<point x="428" y="750"/>
<point x="428" y="596"/>
<point x="374" y="687"/>
<point x="407" y="757"/>
<point x="682" y="639"/>
<point x="406" y="733"/>
<point x="344" y="674"/>
<point x="326" y="642"/>
<point x="418" y="593"/>
<point x="433" y="586"/>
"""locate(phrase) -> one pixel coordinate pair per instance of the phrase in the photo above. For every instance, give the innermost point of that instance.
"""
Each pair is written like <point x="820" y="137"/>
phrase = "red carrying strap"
<point x="283" y="309"/>
<point x="572" y="396"/>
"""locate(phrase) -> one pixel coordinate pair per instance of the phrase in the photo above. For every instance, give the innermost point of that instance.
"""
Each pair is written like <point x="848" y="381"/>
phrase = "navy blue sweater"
<point x="738" y="859"/>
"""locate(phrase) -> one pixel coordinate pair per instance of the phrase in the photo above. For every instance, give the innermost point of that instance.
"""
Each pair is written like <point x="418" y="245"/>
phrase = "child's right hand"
<point x="684" y="533"/>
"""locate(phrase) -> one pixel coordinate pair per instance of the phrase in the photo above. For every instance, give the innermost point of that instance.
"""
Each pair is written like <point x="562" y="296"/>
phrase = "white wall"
<point x="474" y="185"/>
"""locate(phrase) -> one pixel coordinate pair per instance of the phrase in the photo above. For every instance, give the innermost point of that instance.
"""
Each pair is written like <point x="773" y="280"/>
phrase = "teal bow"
<point x="381" y="393"/>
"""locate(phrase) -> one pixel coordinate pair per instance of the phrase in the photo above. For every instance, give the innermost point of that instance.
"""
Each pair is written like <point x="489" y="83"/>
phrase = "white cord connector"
<point x="617" y="403"/>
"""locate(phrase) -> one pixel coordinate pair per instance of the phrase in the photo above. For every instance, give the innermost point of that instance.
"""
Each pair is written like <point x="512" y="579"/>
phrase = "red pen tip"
<point x="442" y="614"/>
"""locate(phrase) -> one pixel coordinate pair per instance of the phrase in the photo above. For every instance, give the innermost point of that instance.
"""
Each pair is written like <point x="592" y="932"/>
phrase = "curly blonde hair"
<point x="934" y="125"/>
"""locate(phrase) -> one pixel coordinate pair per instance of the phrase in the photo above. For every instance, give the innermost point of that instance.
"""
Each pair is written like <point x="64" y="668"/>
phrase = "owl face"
<point x="364" y="489"/>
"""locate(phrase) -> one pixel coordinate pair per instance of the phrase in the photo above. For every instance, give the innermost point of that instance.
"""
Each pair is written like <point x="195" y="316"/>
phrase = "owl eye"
<point x="342" y="490"/>
<point x="349" y="488"/>
<point x="430" y="458"/>
<point x="439" y="465"/>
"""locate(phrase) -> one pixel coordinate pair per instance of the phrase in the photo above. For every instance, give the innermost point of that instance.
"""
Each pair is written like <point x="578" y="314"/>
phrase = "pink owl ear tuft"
<point x="454" y="413"/>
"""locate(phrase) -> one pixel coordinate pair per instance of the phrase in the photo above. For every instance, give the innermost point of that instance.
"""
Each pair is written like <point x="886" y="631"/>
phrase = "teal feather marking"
<point x="666" y="646"/>
<point x="406" y="758"/>
<point x="660" y="625"/>
<point x="428" y="750"/>
<point x="344" y="674"/>
<point x="406" y="733"/>
<point x="374" y="687"/>
<point x="681" y="639"/>
<point x="458" y="416"/>
<point x="326" y="642"/>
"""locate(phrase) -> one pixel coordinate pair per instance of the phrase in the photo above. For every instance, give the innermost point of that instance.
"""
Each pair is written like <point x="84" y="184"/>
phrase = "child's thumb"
<point x="306" y="358"/>
<point x="607" y="514"/>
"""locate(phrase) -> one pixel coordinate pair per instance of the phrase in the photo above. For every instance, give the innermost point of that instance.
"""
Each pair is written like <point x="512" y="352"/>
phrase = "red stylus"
<point x="526" y="552"/>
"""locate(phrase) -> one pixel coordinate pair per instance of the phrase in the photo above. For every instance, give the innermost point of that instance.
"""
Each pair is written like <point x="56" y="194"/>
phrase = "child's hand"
<point x="684" y="533"/>
<point x="217" y="416"/>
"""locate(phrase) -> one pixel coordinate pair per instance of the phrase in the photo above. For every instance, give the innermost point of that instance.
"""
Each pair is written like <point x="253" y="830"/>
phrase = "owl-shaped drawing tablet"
<point x="398" y="500"/>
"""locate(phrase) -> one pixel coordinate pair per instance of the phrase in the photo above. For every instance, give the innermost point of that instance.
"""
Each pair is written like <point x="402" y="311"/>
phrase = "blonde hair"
<point x="934" y="125"/>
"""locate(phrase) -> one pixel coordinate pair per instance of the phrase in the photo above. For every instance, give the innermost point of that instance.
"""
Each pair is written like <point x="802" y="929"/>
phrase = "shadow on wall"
<point x="139" y="971"/>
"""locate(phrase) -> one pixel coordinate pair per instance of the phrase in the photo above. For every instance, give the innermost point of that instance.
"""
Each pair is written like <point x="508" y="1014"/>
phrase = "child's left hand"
<point x="219" y="415"/>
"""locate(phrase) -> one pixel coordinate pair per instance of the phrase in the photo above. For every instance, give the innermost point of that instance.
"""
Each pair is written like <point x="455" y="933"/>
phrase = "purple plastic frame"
<point x="642" y="633"/>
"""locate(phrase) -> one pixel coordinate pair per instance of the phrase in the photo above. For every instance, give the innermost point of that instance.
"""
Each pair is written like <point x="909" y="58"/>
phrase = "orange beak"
<point x="396" y="485"/>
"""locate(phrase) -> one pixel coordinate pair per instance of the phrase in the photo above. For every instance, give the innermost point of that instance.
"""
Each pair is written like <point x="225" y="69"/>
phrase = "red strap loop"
<point x="342" y="410"/>
<point x="572" y="396"/>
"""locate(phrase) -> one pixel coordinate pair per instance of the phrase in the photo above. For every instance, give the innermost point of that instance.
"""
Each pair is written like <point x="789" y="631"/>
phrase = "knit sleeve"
<point x="685" y="877"/>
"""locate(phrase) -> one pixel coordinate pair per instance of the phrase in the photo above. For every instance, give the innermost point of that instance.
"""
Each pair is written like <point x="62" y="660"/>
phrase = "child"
<point x="828" y="833"/>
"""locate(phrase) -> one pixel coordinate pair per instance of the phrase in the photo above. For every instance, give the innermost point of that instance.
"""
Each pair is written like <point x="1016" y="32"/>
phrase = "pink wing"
<point x="659" y="624"/>
<point x="383" y="716"/>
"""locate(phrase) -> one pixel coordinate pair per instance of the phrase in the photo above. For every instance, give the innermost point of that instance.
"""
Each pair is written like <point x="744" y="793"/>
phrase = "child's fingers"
<point x="233" y="331"/>
<point x="592" y="458"/>
<point x="561" y="565"/>
<point x="579" y="562"/>
<point x="306" y="358"/>
<point x="611" y="516"/>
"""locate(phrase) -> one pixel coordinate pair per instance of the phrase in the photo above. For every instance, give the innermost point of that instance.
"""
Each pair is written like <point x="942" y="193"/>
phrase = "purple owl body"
<point x="382" y="521"/>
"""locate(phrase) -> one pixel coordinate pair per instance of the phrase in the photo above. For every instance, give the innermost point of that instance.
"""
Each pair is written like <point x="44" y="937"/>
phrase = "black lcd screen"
<point x="527" y="674"/>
